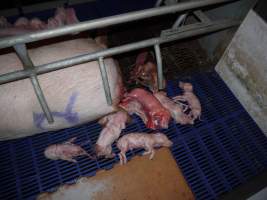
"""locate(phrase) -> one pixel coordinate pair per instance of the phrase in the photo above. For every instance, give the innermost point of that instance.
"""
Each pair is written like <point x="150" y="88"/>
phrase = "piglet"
<point x="175" y="109"/>
<point x="65" y="151"/>
<point x="134" y="107"/>
<point x="158" y="116"/>
<point x="112" y="126"/>
<point x="145" y="72"/>
<point x="141" y="140"/>
<point x="190" y="98"/>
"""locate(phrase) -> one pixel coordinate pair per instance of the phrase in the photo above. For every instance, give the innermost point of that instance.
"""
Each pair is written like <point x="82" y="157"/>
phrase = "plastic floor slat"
<point x="220" y="152"/>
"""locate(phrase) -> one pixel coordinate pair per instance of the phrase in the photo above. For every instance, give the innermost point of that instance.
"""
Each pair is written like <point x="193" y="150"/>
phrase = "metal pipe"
<point x="104" y="76"/>
<point x="41" y="98"/>
<point x="158" y="2"/>
<point x="107" y="21"/>
<point x="23" y="55"/>
<point x="179" y="20"/>
<point x="159" y="66"/>
<point x="201" y="16"/>
<point x="183" y="32"/>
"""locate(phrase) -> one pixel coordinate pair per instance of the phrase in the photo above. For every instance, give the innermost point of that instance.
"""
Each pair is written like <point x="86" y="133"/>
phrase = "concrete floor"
<point x="140" y="178"/>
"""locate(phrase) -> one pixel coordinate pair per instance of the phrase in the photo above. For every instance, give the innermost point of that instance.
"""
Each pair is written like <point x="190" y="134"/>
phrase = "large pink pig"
<point x="74" y="95"/>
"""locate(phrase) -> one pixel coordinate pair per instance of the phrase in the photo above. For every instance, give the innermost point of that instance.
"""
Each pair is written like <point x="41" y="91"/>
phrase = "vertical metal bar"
<point x="105" y="80"/>
<point x="158" y="2"/>
<point x="179" y="21"/>
<point x="27" y="64"/>
<point x="159" y="66"/>
<point x="41" y="98"/>
<point x="201" y="16"/>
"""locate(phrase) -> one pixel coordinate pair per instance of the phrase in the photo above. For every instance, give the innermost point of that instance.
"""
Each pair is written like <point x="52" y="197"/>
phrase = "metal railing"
<point x="31" y="71"/>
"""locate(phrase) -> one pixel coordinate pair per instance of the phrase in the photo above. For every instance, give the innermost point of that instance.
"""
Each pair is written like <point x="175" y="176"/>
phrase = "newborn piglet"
<point x="141" y="140"/>
<point x="190" y="98"/>
<point x="112" y="126"/>
<point x="175" y="109"/>
<point x="158" y="116"/>
<point x="134" y="107"/>
<point x="145" y="71"/>
<point x="65" y="151"/>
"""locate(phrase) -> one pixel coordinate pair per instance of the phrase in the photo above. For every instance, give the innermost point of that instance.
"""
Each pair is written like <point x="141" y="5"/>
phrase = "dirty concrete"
<point x="244" y="67"/>
<point x="140" y="178"/>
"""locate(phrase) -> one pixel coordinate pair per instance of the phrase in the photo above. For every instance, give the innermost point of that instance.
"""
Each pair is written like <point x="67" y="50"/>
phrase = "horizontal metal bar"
<point x="159" y="66"/>
<point x="107" y="21"/>
<point x="23" y="55"/>
<point x="104" y="76"/>
<point x="184" y="32"/>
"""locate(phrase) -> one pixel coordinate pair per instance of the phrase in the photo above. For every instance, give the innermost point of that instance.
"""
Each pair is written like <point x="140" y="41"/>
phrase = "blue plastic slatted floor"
<point x="216" y="154"/>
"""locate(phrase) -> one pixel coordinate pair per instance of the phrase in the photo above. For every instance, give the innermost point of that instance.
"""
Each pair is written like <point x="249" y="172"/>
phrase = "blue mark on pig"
<point x="70" y="116"/>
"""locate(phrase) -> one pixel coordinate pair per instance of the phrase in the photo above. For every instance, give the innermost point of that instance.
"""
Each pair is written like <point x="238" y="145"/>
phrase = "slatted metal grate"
<point x="222" y="151"/>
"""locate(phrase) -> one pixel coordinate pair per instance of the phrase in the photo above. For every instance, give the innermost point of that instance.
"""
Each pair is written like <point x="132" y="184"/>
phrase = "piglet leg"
<point x="179" y="98"/>
<point x="123" y="159"/>
<point x="112" y="155"/>
<point x="152" y="154"/>
<point x="146" y="152"/>
<point x="69" y="159"/>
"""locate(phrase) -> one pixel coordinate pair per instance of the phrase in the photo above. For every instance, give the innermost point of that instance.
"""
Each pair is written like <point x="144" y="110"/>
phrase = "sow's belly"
<point x="74" y="95"/>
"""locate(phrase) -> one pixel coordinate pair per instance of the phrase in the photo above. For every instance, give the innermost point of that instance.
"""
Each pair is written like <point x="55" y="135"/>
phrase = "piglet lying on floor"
<point x="175" y="109"/>
<point x="112" y="126"/>
<point x="134" y="107"/>
<point x="141" y="140"/>
<point x="158" y="116"/>
<point x="65" y="151"/>
<point x="190" y="98"/>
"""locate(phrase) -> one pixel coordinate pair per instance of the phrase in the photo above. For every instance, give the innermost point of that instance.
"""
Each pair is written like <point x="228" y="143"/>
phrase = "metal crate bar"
<point x="104" y="76"/>
<point x="159" y="66"/>
<point x="23" y="55"/>
<point x="107" y="21"/>
<point x="167" y="36"/>
<point x="201" y="16"/>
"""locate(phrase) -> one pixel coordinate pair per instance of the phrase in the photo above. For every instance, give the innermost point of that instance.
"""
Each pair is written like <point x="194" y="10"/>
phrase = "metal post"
<point x="159" y="66"/>
<point x="179" y="21"/>
<point x="41" y="98"/>
<point x="158" y="2"/>
<point x="104" y="76"/>
<point x="27" y="64"/>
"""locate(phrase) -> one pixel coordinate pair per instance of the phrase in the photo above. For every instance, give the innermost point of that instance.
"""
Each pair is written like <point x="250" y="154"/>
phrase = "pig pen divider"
<point x="31" y="71"/>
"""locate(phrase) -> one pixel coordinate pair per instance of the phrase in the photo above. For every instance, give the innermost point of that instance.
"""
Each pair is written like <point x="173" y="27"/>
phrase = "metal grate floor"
<point x="216" y="154"/>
